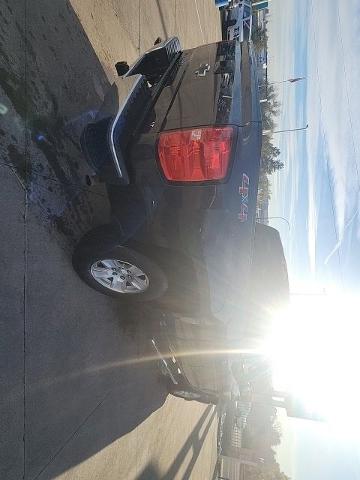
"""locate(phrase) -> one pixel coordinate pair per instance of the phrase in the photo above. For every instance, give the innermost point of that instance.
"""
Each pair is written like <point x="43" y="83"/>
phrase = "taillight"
<point x="195" y="155"/>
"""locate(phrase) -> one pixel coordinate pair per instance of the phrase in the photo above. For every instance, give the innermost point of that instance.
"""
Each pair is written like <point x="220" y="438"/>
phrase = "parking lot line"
<point x="198" y="15"/>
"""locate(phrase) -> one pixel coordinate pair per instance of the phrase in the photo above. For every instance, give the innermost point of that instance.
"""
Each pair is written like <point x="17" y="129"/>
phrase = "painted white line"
<point x="198" y="15"/>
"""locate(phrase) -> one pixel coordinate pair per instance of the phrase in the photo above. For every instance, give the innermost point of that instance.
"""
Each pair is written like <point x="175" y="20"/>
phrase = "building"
<point x="293" y="406"/>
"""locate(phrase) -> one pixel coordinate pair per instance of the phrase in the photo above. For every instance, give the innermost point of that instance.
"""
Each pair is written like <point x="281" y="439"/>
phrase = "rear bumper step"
<point x="131" y="95"/>
<point x="104" y="142"/>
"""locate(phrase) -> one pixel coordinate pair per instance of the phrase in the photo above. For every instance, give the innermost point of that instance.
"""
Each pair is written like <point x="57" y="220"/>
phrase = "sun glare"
<point x="315" y="355"/>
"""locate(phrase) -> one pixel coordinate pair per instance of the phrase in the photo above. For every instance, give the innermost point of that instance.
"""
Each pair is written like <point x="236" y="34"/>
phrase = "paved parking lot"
<point x="75" y="401"/>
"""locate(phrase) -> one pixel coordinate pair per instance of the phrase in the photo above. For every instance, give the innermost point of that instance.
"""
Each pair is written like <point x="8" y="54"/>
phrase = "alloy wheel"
<point x="119" y="276"/>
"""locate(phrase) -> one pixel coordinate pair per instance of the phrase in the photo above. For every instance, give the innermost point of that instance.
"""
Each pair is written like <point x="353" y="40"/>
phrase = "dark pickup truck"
<point x="177" y="142"/>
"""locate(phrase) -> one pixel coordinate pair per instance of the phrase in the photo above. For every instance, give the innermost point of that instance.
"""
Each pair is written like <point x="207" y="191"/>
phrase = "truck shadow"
<point x="86" y="386"/>
<point x="53" y="83"/>
<point x="112" y="413"/>
<point x="194" y="443"/>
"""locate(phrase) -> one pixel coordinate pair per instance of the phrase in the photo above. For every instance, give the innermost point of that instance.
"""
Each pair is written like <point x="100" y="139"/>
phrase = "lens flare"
<point x="3" y="109"/>
<point x="314" y="354"/>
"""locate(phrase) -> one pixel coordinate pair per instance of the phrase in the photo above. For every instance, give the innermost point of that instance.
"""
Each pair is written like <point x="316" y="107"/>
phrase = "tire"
<point x="189" y="394"/>
<point x="104" y="244"/>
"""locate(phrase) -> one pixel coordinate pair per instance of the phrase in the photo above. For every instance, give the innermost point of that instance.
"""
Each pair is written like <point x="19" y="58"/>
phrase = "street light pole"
<point x="288" y="80"/>
<point x="267" y="132"/>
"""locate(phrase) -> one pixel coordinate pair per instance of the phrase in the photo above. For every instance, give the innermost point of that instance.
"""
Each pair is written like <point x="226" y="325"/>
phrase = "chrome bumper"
<point x="164" y="362"/>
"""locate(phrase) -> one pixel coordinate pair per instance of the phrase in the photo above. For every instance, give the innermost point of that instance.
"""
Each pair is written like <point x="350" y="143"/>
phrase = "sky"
<point x="318" y="190"/>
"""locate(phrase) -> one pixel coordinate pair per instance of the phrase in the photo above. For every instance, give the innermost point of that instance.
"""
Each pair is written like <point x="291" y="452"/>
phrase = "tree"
<point x="270" y="162"/>
<point x="268" y="150"/>
<point x="263" y="429"/>
<point x="264" y="189"/>
<point x="269" y="157"/>
<point x="259" y="38"/>
<point x="269" y="165"/>
<point x="271" y="108"/>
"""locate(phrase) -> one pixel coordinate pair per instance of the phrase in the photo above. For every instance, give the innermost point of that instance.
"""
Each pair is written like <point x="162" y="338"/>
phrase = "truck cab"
<point x="200" y="355"/>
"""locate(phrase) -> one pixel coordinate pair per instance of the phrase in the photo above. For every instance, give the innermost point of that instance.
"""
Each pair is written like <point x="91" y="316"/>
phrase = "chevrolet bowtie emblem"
<point x="202" y="70"/>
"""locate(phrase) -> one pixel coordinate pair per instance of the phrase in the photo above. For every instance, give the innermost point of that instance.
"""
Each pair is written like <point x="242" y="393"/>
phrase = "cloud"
<point x="287" y="191"/>
<point x="333" y="103"/>
<point x="325" y="37"/>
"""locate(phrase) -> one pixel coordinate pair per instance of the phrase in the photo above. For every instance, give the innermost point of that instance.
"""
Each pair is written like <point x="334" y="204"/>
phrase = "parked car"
<point x="222" y="3"/>
<point x="238" y="21"/>
<point x="177" y="143"/>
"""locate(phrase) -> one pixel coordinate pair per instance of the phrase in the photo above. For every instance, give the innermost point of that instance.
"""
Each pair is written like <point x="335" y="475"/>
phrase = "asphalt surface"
<point x="77" y="401"/>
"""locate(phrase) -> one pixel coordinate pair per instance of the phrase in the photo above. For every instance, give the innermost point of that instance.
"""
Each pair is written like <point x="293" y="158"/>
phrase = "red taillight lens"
<point x="195" y="155"/>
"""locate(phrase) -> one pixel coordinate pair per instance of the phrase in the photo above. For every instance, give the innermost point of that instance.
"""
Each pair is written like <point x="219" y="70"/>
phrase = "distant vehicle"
<point x="222" y="3"/>
<point x="238" y="22"/>
<point x="177" y="143"/>
<point x="227" y="3"/>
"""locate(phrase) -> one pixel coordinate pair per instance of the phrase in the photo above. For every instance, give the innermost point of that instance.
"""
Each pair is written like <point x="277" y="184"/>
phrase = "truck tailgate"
<point x="212" y="86"/>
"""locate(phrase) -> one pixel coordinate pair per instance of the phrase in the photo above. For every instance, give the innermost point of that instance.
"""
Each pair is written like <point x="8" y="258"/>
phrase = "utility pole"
<point x="288" y="80"/>
<point x="270" y="132"/>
